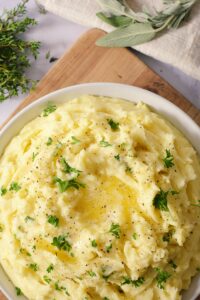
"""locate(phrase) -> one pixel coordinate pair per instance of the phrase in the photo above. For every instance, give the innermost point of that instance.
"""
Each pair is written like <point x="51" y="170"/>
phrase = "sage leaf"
<point x="134" y="34"/>
<point x="114" y="7"/>
<point x="116" y="21"/>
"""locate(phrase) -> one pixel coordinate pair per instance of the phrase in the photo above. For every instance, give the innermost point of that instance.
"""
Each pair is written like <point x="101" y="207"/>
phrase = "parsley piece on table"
<point x="62" y="243"/>
<point x="115" y="230"/>
<point x="53" y="220"/>
<point x="94" y="243"/>
<point x="3" y="191"/>
<point x="18" y="291"/>
<point x="103" y="143"/>
<point x="75" y="140"/>
<point x="50" y="268"/>
<point x="49" y="109"/>
<point x="64" y="185"/>
<point x="114" y="126"/>
<point x="168" y="159"/>
<point x="162" y="277"/>
<point x="34" y="267"/>
<point x="49" y="141"/>
<point x="14" y="187"/>
<point x="67" y="168"/>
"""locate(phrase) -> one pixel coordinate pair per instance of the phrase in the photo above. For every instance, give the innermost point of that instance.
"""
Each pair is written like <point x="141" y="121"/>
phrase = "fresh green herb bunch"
<point x="14" y="51"/>
<point x="137" y="28"/>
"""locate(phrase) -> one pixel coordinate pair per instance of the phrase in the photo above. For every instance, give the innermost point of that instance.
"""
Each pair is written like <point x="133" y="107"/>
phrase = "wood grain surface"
<point x="85" y="62"/>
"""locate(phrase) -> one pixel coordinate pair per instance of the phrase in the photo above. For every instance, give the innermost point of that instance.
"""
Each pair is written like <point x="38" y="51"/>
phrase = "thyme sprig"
<point x="15" y="51"/>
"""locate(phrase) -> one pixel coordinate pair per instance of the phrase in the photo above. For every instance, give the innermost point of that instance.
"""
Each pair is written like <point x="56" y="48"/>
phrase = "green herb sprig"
<point x="162" y="277"/>
<point x="137" y="28"/>
<point x="15" y="51"/>
<point x="62" y="243"/>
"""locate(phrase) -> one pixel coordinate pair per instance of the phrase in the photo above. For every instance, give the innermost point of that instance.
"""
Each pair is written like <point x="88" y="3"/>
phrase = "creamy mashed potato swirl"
<point x="99" y="200"/>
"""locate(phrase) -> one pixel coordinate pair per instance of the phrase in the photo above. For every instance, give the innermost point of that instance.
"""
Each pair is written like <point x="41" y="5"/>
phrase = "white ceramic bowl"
<point x="180" y="119"/>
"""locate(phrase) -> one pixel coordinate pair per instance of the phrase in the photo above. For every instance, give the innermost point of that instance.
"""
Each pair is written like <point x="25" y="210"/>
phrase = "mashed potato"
<point x="100" y="200"/>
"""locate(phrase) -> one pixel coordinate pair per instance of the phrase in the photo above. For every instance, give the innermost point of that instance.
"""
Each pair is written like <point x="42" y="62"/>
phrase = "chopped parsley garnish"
<point x="34" y="155"/>
<point x="106" y="298"/>
<point x="160" y="200"/>
<point x="196" y="204"/>
<point x="1" y="228"/>
<point x="94" y="243"/>
<point x="3" y="191"/>
<point x="75" y="140"/>
<point x="50" y="268"/>
<point x="49" y="141"/>
<point x="136" y="283"/>
<point x="47" y="279"/>
<point x="108" y="248"/>
<point x="53" y="220"/>
<point x="115" y="230"/>
<point x="23" y="251"/>
<point x="172" y="264"/>
<point x="134" y="236"/>
<point x="34" y="267"/>
<point x="162" y="277"/>
<point x="18" y="291"/>
<point x="64" y="185"/>
<point x="61" y="288"/>
<point x="128" y="169"/>
<point x="14" y="187"/>
<point x="67" y="168"/>
<point x="168" y="159"/>
<point x="91" y="274"/>
<point x="103" y="143"/>
<point x="62" y="243"/>
<point x="117" y="157"/>
<point x="57" y="287"/>
<point x="167" y="236"/>
<point x="28" y="218"/>
<point x="49" y="109"/>
<point x="114" y="126"/>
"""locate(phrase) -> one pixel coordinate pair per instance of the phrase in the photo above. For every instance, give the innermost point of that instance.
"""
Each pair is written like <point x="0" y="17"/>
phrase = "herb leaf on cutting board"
<point x="137" y="28"/>
<point x="15" y="51"/>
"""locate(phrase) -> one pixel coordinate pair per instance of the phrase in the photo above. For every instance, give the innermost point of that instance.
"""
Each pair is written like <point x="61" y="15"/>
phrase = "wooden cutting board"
<point x="85" y="62"/>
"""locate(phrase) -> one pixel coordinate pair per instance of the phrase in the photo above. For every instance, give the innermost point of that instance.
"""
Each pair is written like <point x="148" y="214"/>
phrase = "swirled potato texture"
<point x="100" y="200"/>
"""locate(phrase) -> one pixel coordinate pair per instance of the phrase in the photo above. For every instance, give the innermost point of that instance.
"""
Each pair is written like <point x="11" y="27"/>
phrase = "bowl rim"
<point x="164" y="107"/>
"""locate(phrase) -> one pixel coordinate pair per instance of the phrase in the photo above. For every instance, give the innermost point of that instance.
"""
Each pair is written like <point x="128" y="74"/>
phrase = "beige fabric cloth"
<point x="180" y="47"/>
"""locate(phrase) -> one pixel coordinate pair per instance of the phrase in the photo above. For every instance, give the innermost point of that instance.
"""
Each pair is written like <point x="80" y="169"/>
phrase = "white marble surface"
<point x="57" y="35"/>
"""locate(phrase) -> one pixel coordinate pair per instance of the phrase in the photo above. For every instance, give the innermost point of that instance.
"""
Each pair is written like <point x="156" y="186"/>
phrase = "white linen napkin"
<point x="178" y="47"/>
